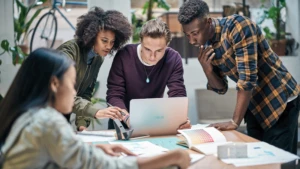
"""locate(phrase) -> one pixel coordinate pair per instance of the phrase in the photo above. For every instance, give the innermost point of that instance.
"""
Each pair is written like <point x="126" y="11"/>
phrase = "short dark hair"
<point x="90" y="24"/>
<point x="156" y="28"/>
<point x="31" y="86"/>
<point x="192" y="9"/>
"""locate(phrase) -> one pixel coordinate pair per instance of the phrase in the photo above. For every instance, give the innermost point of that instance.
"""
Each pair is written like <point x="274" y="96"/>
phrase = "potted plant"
<point x="137" y="23"/>
<point x="22" y="22"/>
<point x="148" y="6"/>
<point x="276" y="13"/>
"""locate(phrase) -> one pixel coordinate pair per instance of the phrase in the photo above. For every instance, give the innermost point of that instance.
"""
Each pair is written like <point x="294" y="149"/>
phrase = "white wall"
<point x="293" y="20"/>
<point x="119" y="5"/>
<point x="7" y="70"/>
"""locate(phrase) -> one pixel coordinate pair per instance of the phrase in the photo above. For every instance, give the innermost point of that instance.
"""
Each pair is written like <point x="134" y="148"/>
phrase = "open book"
<point x="203" y="140"/>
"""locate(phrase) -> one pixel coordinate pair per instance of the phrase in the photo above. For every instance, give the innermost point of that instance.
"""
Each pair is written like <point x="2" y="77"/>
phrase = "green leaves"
<point x="16" y="52"/>
<point x="21" y="27"/>
<point x="145" y="7"/>
<point x="162" y="4"/>
<point x="268" y="33"/>
<point x="97" y="100"/>
<point x="282" y="3"/>
<point x="150" y="3"/>
<point x="273" y="13"/>
<point x="5" y="46"/>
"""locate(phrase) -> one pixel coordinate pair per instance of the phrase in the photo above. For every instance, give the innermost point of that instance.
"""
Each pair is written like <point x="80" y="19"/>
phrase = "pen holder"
<point x="122" y="133"/>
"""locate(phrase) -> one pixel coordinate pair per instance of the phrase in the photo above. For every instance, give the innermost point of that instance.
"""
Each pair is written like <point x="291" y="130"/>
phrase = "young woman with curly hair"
<point x="98" y="34"/>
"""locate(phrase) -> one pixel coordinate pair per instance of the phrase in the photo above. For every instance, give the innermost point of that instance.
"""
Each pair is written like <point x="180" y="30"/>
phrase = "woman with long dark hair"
<point x="34" y="133"/>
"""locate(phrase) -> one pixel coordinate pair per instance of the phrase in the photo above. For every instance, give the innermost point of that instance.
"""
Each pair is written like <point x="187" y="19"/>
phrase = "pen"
<point x="123" y="114"/>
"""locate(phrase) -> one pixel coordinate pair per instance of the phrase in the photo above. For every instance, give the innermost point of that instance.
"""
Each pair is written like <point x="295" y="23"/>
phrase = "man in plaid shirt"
<point x="234" y="46"/>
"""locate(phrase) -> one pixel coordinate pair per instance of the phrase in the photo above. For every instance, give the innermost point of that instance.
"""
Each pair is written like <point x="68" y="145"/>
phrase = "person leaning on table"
<point x="144" y="70"/>
<point x="35" y="134"/>
<point x="267" y="94"/>
<point x="98" y="34"/>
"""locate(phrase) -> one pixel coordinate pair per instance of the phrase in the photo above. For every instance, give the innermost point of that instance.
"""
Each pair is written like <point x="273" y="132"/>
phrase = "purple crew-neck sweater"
<point x="127" y="77"/>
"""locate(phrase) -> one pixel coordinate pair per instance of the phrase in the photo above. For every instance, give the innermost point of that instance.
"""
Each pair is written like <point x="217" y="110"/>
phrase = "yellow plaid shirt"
<point x="244" y="55"/>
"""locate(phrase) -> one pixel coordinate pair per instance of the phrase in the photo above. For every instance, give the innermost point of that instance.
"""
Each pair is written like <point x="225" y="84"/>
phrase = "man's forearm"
<point x="214" y="81"/>
<point x="243" y="100"/>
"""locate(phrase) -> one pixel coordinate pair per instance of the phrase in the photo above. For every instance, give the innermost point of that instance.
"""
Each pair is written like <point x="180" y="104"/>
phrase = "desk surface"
<point x="212" y="162"/>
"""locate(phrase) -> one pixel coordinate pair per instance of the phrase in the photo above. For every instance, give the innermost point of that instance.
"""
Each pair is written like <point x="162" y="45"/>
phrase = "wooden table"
<point x="212" y="162"/>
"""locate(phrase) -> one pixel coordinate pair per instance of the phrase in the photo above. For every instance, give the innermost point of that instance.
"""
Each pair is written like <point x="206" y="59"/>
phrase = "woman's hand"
<point x="183" y="160"/>
<point x="115" y="149"/>
<point x="110" y="112"/>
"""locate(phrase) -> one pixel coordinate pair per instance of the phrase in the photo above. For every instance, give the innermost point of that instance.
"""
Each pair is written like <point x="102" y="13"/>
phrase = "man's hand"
<point x="205" y="57"/>
<point x="224" y="126"/>
<point x="110" y="112"/>
<point x="115" y="149"/>
<point x="185" y="125"/>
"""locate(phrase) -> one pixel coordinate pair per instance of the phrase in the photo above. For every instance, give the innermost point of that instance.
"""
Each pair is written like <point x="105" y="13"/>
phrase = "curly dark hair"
<point x="90" y="24"/>
<point x="192" y="9"/>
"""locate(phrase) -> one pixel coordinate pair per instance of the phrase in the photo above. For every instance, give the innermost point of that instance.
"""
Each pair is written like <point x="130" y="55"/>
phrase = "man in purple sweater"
<point x="144" y="70"/>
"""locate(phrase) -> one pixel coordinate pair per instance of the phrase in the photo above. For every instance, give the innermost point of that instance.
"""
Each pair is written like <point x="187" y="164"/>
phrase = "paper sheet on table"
<point x="142" y="147"/>
<point x="98" y="133"/>
<point x="194" y="157"/>
<point x="260" y="153"/>
<point x="199" y="126"/>
<point x="148" y="149"/>
<point x="92" y="138"/>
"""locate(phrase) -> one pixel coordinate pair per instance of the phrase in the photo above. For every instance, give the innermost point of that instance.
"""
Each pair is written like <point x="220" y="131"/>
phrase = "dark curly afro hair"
<point x="97" y="19"/>
<point x="192" y="9"/>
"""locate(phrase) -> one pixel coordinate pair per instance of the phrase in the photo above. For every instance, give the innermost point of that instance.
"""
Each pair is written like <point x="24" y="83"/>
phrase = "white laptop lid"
<point x="157" y="116"/>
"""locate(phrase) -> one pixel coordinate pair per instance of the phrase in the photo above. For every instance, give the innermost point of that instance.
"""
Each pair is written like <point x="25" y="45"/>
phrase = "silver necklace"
<point x="147" y="79"/>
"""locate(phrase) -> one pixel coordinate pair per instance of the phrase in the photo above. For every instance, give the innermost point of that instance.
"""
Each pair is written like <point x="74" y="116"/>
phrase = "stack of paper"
<point x="260" y="153"/>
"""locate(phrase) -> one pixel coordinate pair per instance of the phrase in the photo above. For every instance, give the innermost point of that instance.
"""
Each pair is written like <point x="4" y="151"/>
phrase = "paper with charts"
<point x="148" y="149"/>
<point x="261" y="153"/>
<point x="142" y="147"/>
<point x="203" y="140"/>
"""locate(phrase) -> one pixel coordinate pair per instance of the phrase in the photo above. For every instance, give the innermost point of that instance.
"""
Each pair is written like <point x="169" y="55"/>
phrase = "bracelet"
<point x="234" y="123"/>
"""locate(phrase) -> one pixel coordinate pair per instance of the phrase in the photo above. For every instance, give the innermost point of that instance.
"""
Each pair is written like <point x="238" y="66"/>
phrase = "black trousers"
<point x="284" y="134"/>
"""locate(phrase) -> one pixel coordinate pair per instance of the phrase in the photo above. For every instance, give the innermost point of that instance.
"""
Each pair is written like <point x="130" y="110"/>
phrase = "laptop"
<point x="157" y="116"/>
